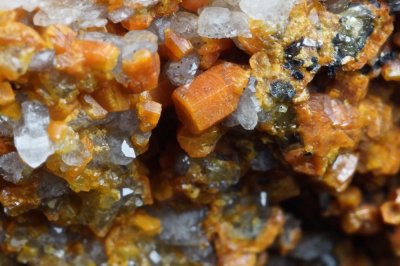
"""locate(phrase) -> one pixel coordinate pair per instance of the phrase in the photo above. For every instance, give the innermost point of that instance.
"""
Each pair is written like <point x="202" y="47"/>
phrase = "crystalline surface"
<point x="13" y="168"/>
<point x="30" y="136"/>
<point x="121" y="151"/>
<point x="220" y="22"/>
<point x="182" y="228"/>
<point x="120" y="14"/>
<point x="215" y="22"/>
<point x="185" y="24"/>
<point x="141" y="2"/>
<point x="274" y="12"/>
<point x="246" y="114"/>
<point x="42" y="60"/>
<point x="83" y="14"/>
<point x="183" y="71"/>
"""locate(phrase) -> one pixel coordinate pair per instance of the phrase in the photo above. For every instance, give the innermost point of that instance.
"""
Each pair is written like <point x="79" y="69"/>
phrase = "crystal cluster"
<point x="199" y="132"/>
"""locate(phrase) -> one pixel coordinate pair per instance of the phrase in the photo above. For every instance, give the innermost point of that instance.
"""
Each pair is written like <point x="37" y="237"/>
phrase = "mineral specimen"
<point x="199" y="132"/>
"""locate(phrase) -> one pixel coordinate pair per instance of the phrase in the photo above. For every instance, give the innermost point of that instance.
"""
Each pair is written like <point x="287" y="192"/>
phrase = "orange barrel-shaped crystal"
<point x="211" y="97"/>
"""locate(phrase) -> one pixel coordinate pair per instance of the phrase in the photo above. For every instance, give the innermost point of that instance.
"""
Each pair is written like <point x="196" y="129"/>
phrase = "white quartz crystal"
<point x="183" y="72"/>
<point x="80" y="13"/>
<point x="28" y="5"/>
<point x="120" y="14"/>
<point x="137" y="40"/>
<point x="247" y="111"/>
<point x="185" y="24"/>
<point x="30" y="135"/>
<point x="42" y="60"/>
<point x="121" y="151"/>
<point x="13" y="168"/>
<point x="215" y="22"/>
<point x="273" y="12"/>
<point x="141" y="2"/>
<point x="220" y="22"/>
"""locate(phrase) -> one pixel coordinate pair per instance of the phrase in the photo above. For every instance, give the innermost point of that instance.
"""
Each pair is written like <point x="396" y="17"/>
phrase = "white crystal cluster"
<point x="30" y="135"/>
<point x="248" y="108"/>
<point x="182" y="72"/>
<point x="273" y="12"/>
<point x="221" y="22"/>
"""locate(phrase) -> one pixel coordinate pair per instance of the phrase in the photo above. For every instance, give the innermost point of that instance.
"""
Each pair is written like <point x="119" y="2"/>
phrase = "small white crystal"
<point x="30" y="136"/>
<point x="155" y="257"/>
<point x="273" y="12"/>
<point x="240" y="22"/>
<point x="80" y="13"/>
<point x="219" y="22"/>
<point x="121" y="151"/>
<point x="215" y="22"/>
<point x="247" y="111"/>
<point x="126" y="191"/>
<point x="141" y="2"/>
<point x="185" y="24"/>
<point x="183" y="72"/>
<point x="120" y="14"/>
<point x="13" y="168"/>
<point x="28" y="5"/>
<point x="42" y="60"/>
<point x="137" y="40"/>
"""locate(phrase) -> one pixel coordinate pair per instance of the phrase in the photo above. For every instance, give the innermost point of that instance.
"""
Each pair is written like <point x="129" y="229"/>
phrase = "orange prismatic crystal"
<point x="211" y="96"/>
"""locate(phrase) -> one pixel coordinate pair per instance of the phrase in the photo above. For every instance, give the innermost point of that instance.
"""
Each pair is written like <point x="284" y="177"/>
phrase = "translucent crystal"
<point x="240" y="22"/>
<point x="42" y="60"/>
<point x="219" y="22"/>
<point x="83" y="13"/>
<point x="273" y="12"/>
<point x="13" y="168"/>
<point x="141" y="2"/>
<point x="77" y="156"/>
<point x="215" y="22"/>
<point x="183" y="72"/>
<point x="120" y="14"/>
<point x="28" y="5"/>
<point x="137" y="40"/>
<point x="247" y="111"/>
<point x="159" y="26"/>
<point x="182" y="228"/>
<point x="121" y="151"/>
<point x="337" y="6"/>
<point x="185" y="24"/>
<point x="30" y="136"/>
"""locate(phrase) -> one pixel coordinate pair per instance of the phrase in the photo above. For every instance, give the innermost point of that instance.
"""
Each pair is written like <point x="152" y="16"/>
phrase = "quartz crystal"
<point x="199" y="132"/>
<point x="273" y="12"/>
<point x="185" y="24"/>
<point x="183" y="72"/>
<point x="30" y="135"/>
<point x="220" y="22"/>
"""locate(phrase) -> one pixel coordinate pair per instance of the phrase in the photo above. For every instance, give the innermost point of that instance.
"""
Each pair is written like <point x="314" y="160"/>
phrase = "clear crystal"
<point x="185" y="24"/>
<point x="273" y="12"/>
<point x="30" y="135"/>
<point x="13" y="168"/>
<point x="183" y="72"/>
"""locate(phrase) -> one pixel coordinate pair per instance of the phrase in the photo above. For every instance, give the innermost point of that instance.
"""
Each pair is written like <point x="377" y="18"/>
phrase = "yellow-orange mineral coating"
<point x="204" y="140"/>
<point x="211" y="96"/>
